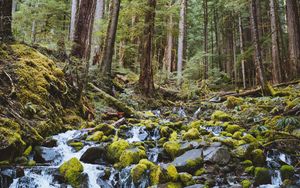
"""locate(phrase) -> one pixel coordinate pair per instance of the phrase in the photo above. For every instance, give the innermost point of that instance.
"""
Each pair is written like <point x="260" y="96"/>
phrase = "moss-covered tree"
<point x="5" y="20"/>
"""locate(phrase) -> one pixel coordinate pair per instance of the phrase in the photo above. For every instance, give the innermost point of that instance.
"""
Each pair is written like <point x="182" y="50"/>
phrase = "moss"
<point x="106" y="129"/>
<point x="192" y="134"/>
<point x="173" y="185"/>
<point x="172" y="172"/>
<point x="200" y="172"/>
<point x="137" y="171"/>
<point x="21" y="160"/>
<point x="155" y="175"/>
<point x="173" y="136"/>
<point x="262" y="176"/>
<point x="250" y="169"/>
<point x="233" y="102"/>
<point x="116" y="149"/>
<point x="246" y="184"/>
<point x="220" y="116"/>
<point x="4" y="163"/>
<point x="287" y="172"/>
<point x="247" y="163"/>
<point x="96" y="137"/>
<point x="165" y="131"/>
<point x="249" y="138"/>
<point x="27" y="152"/>
<point x="172" y="148"/>
<point x="76" y="145"/>
<point x="237" y="135"/>
<point x="186" y="178"/>
<point x="233" y="128"/>
<point x="148" y="163"/>
<point x="194" y="163"/>
<point x="31" y="163"/>
<point x="258" y="157"/>
<point x="72" y="172"/>
<point x="131" y="156"/>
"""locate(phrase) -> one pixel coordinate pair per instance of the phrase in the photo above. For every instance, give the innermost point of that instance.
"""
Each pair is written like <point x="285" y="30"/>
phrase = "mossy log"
<point x="115" y="102"/>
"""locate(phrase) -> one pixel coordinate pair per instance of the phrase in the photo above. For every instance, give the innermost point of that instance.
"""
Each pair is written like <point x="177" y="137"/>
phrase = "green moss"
<point x="96" y="137"/>
<point x="116" y="149"/>
<point x="172" y="172"/>
<point x="172" y="148"/>
<point x="148" y="163"/>
<point x="72" y="172"/>
<point x="247" y="163"/>
<point x="262" y="176"/>
<point x="31" y="163"/>
<point x="220" y="116"/>
<point x="165" y="131"/>
<point x="27" y="151"/>
<point x="173" y="185"/>
<point x="137" y="171"/>
<point x="192" y="134"/>
<point x="250" y="169"/>
<point x="200" y="172"/>
<point x="76" y="145"/>
<point x="4" y="163"/>
<point x="249" y="138"/>
<point x="155" y="175"/>
<point x="131" y="156"/>
<point x="194" y="163"/>
<point x="237" y="135"/>
<point x="106" y="129"/>
<point x="173" y="136"/>
<point x="233" y="102"/>
<point x="287" y="172"/>
<point x="186" y="178"/>
<point x="258" y="157"/>
<point x="246" y="184"/>
<point x="233" y="128"/>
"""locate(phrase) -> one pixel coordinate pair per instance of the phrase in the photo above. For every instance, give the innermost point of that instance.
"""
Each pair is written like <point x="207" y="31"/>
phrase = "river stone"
<point x="6" y="177"/>
<point x="46" y="155"/>
<point x="50" y="143"/>
<point x="93" y="155"/>
<point x="218" y="155"/>
<point x="181" y="162"/>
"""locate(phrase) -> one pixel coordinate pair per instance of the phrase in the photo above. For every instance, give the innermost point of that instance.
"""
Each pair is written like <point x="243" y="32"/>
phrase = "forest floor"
<point x="213" y="140"/>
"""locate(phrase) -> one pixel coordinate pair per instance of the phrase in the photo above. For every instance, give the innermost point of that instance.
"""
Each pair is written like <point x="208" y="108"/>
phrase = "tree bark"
<point x="74" y="8"/>
<point x="242" y="51"/>
<point x="255" y="39"/>
<point x="83" y="29"/>
<point x="205" y="39"/>
<point x="294" y="37"/>
<point x="146" y="74"/>
<point x="181" y="40"/>
<point x="277" y="77"/>
<point x="5" y="20"/>
<point x="109" y="45"/>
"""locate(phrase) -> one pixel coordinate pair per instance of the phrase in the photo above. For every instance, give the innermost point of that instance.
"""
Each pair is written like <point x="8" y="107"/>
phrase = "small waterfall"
<point x="138" y="134"/>
<point x="276" y="178"/>
<point x="215" y="130"/>
<point x="195" y="115"/>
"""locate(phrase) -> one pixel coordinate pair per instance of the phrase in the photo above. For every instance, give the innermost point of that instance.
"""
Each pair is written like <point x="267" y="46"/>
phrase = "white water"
<point x="135" y="131"/>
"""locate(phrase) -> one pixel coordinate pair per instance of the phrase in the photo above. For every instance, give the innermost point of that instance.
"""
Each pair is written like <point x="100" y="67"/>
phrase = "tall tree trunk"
<point x="242" y="51"/>
<point x="229" y="46"/>
<point x="146" y="74"/>
<point x="277" y="77"/>
<point x="217" y="39"/>
<point x="83" y="29"/>
<point x="110" y="39"/>
<point x="169" y="47"/>
<point x="14" y="6"/>
<point x="74" y="8"/>
<point x="205" y="39"/>
<point x="255" y="39"/>
<point x="294" y="37"/>
<point x="181" y="40"/>
<point x="5" y="20"/>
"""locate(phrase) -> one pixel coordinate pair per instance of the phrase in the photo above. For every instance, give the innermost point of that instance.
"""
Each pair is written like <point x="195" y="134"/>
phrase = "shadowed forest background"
<point x="141" y="93"/>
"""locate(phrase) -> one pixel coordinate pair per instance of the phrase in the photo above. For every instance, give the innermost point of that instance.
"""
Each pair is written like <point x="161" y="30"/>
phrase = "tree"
<point x="257" y="54"/>
<point x="74" y="8"/>
<point x="83" y="29"/>
<point x="205" y="39"/>
<point x="294" y="37"/>
<point x="110" y="40"/>
<point x="146" y="73"/>
<point x="277" y="77"/>
<point x="242" y="50"/>
<point x="181" y="39"/>
<point x="5" y="20"/>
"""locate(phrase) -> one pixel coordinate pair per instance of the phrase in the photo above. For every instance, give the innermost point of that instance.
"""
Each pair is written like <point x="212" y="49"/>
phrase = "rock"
<point x="106" y="129"/>
<point x="287" y="172"/>
<point x="137" y="171"/>
<point x="233" y="102"/>
<point x="20" y="172"/>
<point x="72" y="172"/>
<point x="172" y="172"/>
<point x="172" y="148"/>
<point x="21" y="160"/>
<point x="246" y="184"/>
<point x="45" y="155"/>
<point x="192" y="134"/>
<point x="96" y="137"/>
<point x="93" y="155"/>
<point x="132" y="156"/>
<point x="50" y="143"/>
<point x="186" y="178"/>
<point x="195" y="186"/>
<point x="244" y="151"/>
<point x="189" y="161"/>
<point x="262" y="176"/>
<point x="6" y="177"/>
<point x="258" y="157"/>
<point x="116" y="149"/>
<point x="219" y="155"/>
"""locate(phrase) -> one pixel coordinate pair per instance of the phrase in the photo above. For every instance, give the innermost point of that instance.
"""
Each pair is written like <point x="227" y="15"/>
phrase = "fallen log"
<point x="129" y="112"/>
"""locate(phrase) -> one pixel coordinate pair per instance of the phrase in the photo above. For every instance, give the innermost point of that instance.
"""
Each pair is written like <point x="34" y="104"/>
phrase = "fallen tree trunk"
<point x="129" y="112"/>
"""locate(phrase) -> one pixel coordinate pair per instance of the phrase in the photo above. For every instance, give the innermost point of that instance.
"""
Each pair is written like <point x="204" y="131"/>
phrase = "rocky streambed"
<point x="236" y="143"/>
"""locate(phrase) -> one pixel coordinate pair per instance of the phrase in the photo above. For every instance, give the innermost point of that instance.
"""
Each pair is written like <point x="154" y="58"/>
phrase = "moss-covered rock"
<point x="262" y="176"/>
<point x="258" y="157"/>
<point x="220" y="116"/>
<point x="233" y="102"/>
<point x="287" y="172"/>
<point x="27" y="152"/>
<point x="96" y="137"/>
<point x="72" y="172"/>
<point x="131" y="156"/>
<point x="186" y="178"/>
<point x="116" y="149"/>
<point x="155" y="175"/>
<point x="246" y="184"/>
<point x="172" y="148"/>
<point x="233" y="128"/>
<point x="172" y="172"/>
<point x="106" y="129"/>
<point x="249" y="138"/>
<point x="76" y="145"/>
<point x="200" y="172"/>
<point x="192" y="134"/>
<point x="137" y="171"/>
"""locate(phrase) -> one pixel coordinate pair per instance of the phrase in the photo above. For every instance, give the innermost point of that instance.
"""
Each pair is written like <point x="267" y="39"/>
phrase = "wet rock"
<point x="21" y="160"/>
<point x="287" y="172"/>
<point x="27" y="182"/>
<point x="189" y="161"/>
<point x="196" y="186"/>
<point x="219" y="155"/>
<point x="45" y="155"/>
<point x="262" y="176"/>
<point x="72" y="172"/>
<point x="20" y="172"/>
<point x="93" y="155"/>
<point x="6" y="177"/>
<point x="50" y="143"/>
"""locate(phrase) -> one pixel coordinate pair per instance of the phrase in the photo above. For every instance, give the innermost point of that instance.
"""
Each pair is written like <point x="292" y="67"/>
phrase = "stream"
<point x="46" y="175"/>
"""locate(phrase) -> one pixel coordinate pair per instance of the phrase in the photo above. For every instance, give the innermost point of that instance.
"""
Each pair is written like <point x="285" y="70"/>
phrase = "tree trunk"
<point x="146" y="74"/>
<point x="205" y="39"/>
<point x="5" y="20"/>
<point x="181" y="40"/>
<point x="169" y="47"/>
<point x="14" y="6"/>
<point x="277" y="78"/>
<point x="257" y="48"/>
<point x="229" y="46"/>
<point x="242" y="50"/>
<point x="74" y="8"/>
<point x="217" y="39"/>
<point x="83" y="29"/>
<point x="110" y="39"/>
<point x="294" y="37"/>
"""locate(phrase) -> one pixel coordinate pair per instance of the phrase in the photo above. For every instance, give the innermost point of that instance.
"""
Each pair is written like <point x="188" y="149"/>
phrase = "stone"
<point x="93" y="155"/>
<point x="45" y="155"/>
<point x="219" y="155"/>
<point x="189" y="161"/>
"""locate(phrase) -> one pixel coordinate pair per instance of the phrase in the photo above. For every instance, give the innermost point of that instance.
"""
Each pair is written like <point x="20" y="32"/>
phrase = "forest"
<point x="149" y="93"/>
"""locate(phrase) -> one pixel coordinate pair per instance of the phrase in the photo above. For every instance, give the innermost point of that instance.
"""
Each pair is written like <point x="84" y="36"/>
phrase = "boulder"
<point x="189" y="161"/>
<point x="46" y="155"/>
<point x="218" y="155"/>
<point x="93" y="155"/>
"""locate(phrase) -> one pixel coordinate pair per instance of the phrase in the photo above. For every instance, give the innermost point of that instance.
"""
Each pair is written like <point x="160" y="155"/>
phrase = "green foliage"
<point x="288" y="121"/>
